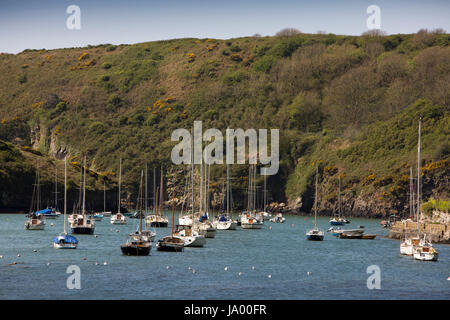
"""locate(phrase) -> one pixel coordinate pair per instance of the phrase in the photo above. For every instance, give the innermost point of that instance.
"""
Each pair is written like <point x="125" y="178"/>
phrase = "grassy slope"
<point x="124" y="101"/>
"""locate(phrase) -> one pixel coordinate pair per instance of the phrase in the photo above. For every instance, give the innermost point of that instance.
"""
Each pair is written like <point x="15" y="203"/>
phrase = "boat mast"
<point x="418" y="177"/>
<point x="201" y="186"/>
<point x="339" y="197"/>
<point x="192" y="172"/>
<point x="228" y="190"/>
<point x="81" y="188"/>
<point x="411" y="203"/>
<point x="104" y="196"/>
<point x="56" y="187"/>
<point x="140" y="204"/>
<point x="84" y="186"/>
<point x="254" y="187"/>
<point x="38" y="201"/>
<point x="265" y="193"/>
<point x="65" y="193"/>
<point x="154" y="191"/>
<point x="315" y="202"/>
<point x="146" y="187"/>
<point x="120" y="181"/>
<point x="161" y="194"/>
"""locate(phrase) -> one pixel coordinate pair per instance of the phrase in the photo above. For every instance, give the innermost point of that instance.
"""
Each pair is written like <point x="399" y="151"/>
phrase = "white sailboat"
<point x="249" y="220"/>
<point x="315" y="234"/>
<point x="338" y="220"/>
<point x="225" y="221"/>
<point x="266" y="215"/>
<point x="424" y="251"/>
<point x="119" y="218"/>
<point x="203" y="225"/>
<point x="157" y="220"/>
<point x="35" y="220"/>
<point x="64" y="240"/>
<point x="408" y="244"/>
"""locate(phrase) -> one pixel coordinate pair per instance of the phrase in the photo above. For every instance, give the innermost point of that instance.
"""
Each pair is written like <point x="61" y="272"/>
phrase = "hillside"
<point x="350" y="104"/>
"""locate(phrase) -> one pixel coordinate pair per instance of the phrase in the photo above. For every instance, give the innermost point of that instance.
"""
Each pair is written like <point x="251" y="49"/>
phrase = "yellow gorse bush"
<point x="83" y="56"/>
<point x="191" y="57"/>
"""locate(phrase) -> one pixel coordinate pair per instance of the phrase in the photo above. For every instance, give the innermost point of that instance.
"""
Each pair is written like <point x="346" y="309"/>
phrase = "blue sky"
<point x="42" y="23"/>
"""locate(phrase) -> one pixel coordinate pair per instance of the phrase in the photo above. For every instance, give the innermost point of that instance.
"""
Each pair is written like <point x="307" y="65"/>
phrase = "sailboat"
<point x="119" y="218"/>
<point x="83" y="224"/>
<point x="64" y="240"/>
<point x="54" y="213"/>
<point x="408" y="244"/>
<point x="424" y="251"/>
<point x="139" y="244"/>
<point x="100" y="215"/>
<point x="150" y="234"/>
<point x="170" y="243"/>
<point x="266" y="215"/>
<point x="190" y="237"/>
<point x="338" y="220"/>
<point x="202" y="224"/>
<point x="35" y="221"/>
<point x="225" y="221"/>
<point x="315" y="234"/>
<point x="188" y="219"/>
<point x="156" y="220"/>
<point x="249" y="220"/>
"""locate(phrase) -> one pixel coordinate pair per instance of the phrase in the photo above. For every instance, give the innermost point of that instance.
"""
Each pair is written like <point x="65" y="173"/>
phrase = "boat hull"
<point x="136" y="250"/>
<point x="226" y="225"/>
<point x="161" y="246"/>
<point x="251" y="225"/>
<point x="426" y="256"/>
<point x="36" y="226"/>
<point x="64" y="246"/>
<point x="83" y="230"/>
<point x="314" y="237"/>
<point x="159" y="224"/>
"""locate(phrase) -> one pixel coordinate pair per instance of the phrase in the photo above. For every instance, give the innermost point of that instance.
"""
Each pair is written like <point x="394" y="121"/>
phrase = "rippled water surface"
<point x="337" y="267"/>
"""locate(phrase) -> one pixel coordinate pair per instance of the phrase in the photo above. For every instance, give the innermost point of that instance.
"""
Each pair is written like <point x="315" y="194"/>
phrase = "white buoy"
<point x="167" y="267"/>
<point x="105" y="263"/>
<point x="193" y="271"/>
<point x="226" y="268"/>
<point x="309" y="273"/>
<point x="48" y="263"/>
<point x="1" y="257"/>
<point x="18" y="255"/>
<point x="447" y="278"/>
<point x="253" y="268"/>
<point x="240" y="273"/>
<point x="51" y="224"/>
<point x="269" y="276"/>
<point x="34" y="250"/>
<point x="95" y="236"/>
<point x="96" y="263"/>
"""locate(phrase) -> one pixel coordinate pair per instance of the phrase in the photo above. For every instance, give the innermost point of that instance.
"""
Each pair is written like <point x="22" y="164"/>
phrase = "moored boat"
<point x="119" y="218"/>
<point x="64" y="240"/>
<point x="139" y="243"/>
<point x="315" y="234"/>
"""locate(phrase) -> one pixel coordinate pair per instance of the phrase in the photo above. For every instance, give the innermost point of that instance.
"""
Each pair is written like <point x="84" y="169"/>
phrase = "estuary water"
<point x="276" y="263"/>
